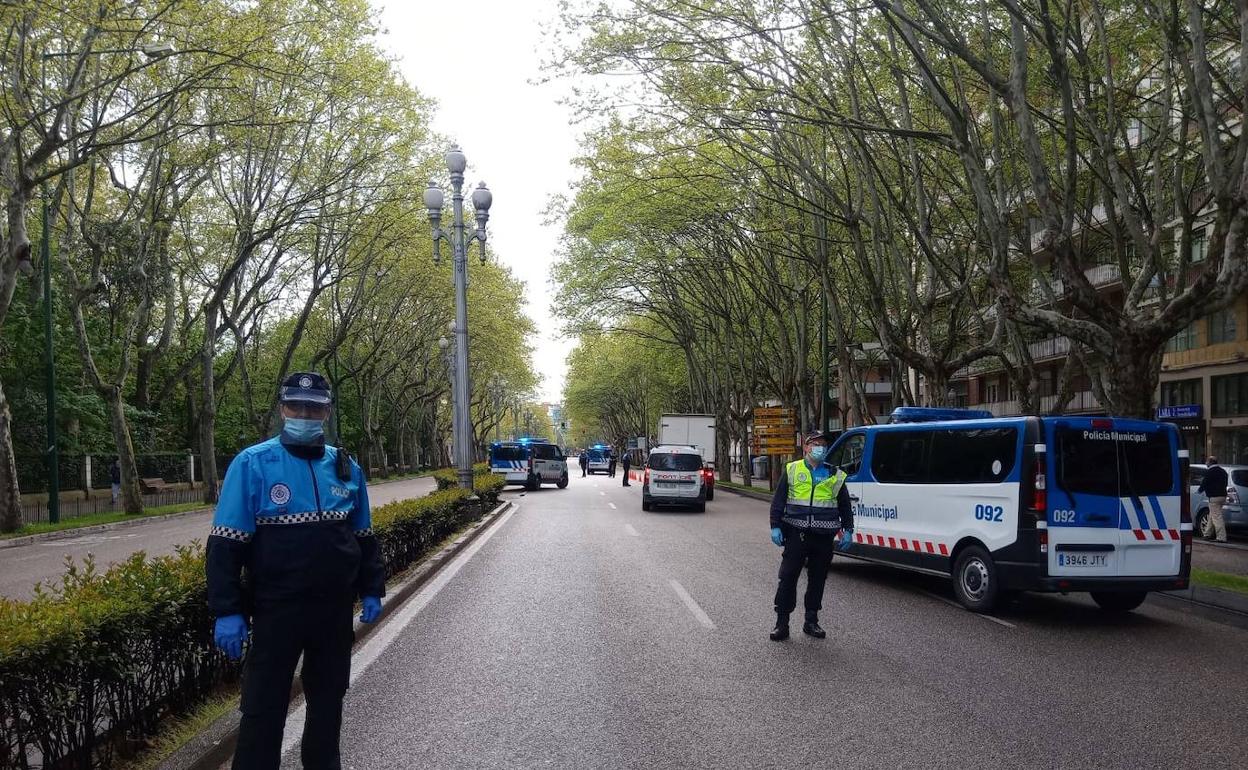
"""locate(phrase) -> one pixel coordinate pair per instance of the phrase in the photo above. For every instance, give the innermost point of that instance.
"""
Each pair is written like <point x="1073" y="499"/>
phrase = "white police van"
<point x="1008" y="504"/>
<point x="529" y="462"/>
<point x="674" y="476"/>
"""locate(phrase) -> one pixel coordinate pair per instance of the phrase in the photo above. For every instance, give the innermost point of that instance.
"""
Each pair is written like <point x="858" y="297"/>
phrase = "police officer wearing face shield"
<point x="292" y="547"/>
<point x="809" y="510"/>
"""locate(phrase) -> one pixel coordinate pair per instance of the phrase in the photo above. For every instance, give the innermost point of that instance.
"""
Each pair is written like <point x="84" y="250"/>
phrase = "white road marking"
<point x="697" y="611"/>
<point x="629" y="529"/>
<point x="364" y="657"/>
<point x="952" y="603"/>
<point x="604" y="494"/>
<point x="612" y="505"/>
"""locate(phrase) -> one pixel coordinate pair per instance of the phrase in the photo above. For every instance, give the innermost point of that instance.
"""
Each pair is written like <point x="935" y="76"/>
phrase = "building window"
<point x="1181" y="393"/>
<point x="1230" y="395"/>
<point x="1222" y="326"/>
<point x="1200" y="246"/>
<point x="992" y="391"/>
<point x="1184" y="340"/>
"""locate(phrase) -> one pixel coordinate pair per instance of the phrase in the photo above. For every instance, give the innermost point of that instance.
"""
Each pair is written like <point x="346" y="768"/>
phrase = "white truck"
<point x="697" y="431"/>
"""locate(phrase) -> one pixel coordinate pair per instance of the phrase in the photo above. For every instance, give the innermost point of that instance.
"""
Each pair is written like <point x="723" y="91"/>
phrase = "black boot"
<point x="781" y="631"/>
<point x="811" y="627"/>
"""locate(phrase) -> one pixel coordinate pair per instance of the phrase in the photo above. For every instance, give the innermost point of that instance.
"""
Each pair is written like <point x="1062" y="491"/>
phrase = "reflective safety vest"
<point x="810" y="505"/>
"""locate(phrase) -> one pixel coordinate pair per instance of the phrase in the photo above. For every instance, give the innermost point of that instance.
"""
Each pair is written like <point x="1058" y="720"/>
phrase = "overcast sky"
<point x="477" y="60"/>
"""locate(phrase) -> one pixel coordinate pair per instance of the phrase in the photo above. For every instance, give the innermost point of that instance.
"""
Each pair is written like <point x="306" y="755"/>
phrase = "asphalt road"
<point x="585" y="633"/>
<point x="24" y="566"/>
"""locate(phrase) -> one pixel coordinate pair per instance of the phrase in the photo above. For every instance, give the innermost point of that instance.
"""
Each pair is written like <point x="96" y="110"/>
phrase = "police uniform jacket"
<point x="802" y="514"/>
<point x="288" y="528"/>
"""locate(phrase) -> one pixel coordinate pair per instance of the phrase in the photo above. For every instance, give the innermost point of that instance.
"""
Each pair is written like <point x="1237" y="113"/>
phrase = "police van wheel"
<point x="700" y="507"/>
<point x="533" y="484"/>
<point x="975" y="580"/>
<point x="710" y="494"/>
<point x="645" y="504"/>
<point x="563" y="481"/>
<point x="1119" y="601"/>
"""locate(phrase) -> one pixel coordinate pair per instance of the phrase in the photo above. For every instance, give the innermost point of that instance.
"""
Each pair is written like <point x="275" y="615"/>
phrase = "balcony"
<point x="1000" y="408"/>
<point x="1100" y="276"/>
<point x="1053" y="347"/>
<point x="1084" y="401"/>
<point x="877" y="388"/>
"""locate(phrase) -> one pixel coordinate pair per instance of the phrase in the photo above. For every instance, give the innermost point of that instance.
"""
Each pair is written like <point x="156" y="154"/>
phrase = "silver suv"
<point x="674" y="477"/>
<point x="1235" y="512"/>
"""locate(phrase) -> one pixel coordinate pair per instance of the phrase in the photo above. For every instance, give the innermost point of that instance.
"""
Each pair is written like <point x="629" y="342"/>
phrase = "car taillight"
<point x="1232" y="495"/>
<point x="646" y="480"/>
<point x="1043" y="539"/>
<point x="1039" y="485"/>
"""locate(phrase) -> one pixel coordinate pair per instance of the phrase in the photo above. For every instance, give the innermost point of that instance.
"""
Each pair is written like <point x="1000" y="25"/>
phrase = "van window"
<point x="545" y="452"/>
<point x="1092" y="464"/>
<point x="981" y="456"/>
<point x="509" y="453"/>
<point x="848" y="454"/>
<point x="900" y="457"/>
<point x="1195" y="476"/>
<point x="675" y="462"/>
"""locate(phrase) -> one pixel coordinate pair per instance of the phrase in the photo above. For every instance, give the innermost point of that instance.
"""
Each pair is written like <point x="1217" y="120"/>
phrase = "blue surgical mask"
<point x="817" y="453"/>
<point x="300" y="431"/>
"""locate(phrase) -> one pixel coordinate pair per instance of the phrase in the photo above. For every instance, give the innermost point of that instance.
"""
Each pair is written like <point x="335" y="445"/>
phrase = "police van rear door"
<point x="1114" y="504"/>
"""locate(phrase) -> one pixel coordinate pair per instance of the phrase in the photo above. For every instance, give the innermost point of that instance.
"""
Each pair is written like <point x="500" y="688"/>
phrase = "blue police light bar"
<point x="936" y="414"/>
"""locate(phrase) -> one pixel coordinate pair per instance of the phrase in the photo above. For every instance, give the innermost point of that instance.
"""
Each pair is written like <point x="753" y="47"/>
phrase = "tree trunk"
<point x="131" y="496"/>
<point x="746" y="470"/>
<point x="10" y="495"/>
<point x="208" y="408"/>
<point x="1130" y="377"/>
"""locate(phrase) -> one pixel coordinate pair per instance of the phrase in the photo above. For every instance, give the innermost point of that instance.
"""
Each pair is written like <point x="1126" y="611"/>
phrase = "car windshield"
<point x="675" y="462"/>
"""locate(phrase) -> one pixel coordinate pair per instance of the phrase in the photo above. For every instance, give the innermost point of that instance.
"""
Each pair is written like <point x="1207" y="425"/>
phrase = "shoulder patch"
<point x="279" y="493"/>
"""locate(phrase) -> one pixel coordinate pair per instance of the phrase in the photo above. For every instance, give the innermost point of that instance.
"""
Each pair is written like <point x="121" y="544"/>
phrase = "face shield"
<point x="305" y="422"/>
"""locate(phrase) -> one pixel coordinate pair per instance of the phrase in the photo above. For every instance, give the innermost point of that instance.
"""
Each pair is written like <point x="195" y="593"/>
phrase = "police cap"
<point x="816" y="435"/>
<point x="306" y="388"/>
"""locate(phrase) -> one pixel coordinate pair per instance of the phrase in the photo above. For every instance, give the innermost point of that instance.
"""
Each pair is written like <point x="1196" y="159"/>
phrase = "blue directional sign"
<point x="1182" y="412"/>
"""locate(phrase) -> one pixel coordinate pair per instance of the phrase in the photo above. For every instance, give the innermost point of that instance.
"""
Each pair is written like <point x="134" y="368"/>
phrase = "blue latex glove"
<point x="847" y="539"/>
<point x="229" y="634"/>
<point x="777" y="536"/>
<point x="372" y="609"/>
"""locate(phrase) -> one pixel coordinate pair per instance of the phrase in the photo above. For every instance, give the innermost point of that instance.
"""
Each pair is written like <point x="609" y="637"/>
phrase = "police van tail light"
<point x="646" y="480"/>
<point x="1042" y="537"/>
<point x="1039" y="485"/>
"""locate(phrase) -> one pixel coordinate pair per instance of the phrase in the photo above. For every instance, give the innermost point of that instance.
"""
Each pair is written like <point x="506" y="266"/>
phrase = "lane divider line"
<point x="629" y="529"/>
<point x="612" y="505"/>
<point x="692" y="605"/>
<point x="383" y="637"/>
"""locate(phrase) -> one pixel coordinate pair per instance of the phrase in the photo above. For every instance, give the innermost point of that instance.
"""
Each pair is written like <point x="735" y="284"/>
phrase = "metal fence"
<point x="35" y="512"/>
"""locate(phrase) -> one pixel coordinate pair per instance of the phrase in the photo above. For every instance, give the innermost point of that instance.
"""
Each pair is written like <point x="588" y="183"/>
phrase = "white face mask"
<point x="816" y="454"/>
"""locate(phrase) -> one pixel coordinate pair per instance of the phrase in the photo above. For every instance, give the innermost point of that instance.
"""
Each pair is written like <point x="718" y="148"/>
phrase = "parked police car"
<point x="674" y="477"/>
<point x="1063" y="504"/>
<point x="529" y="462"/>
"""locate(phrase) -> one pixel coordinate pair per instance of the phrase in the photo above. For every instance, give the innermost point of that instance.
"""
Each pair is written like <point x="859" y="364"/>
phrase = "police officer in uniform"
<point x="809" y="508"/>
<point x="292" y="548"/>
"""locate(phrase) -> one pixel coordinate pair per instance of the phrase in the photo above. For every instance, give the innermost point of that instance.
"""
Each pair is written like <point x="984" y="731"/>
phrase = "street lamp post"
<point x="153" y="51"/>
<point x="456" y="162"/>
<point x="449" y="359"/>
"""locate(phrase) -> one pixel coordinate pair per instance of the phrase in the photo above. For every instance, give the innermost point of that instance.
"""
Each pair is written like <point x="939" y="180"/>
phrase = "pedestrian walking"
<point x="293" y="512"/>
<point x="584" y="461"/>
<point x="114" y="480"/>
<point x="1214" y="488"/>
<point x="809" y="508"/>
<point x="611" y="458"/>
<point x="628" y="463"/>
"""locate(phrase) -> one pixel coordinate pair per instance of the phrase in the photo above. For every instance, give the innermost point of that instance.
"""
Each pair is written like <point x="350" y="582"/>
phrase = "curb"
<point x="766" y="496"/>
<point x="65" y="534"/>
<point x="1215" y="544"/>
<point x="215" y="745"/>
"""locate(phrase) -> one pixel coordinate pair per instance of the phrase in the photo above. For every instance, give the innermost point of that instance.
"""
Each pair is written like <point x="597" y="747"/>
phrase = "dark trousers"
<point x="611" y="469"/>
<point x="626" y="476"/>
<point x="321" y="631"/>
<point x="812" y="550"/>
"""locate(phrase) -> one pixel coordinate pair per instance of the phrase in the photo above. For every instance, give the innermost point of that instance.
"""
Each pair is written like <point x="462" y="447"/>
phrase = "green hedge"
<point x="448" y="478"/>
<point x="90" y="666"/>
